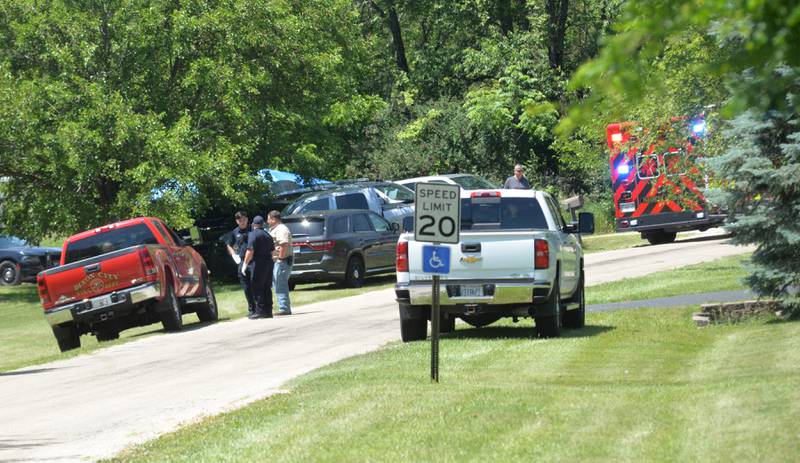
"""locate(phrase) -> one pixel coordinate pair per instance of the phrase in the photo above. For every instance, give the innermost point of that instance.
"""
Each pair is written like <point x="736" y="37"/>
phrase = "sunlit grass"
<point x="638" y="385"/>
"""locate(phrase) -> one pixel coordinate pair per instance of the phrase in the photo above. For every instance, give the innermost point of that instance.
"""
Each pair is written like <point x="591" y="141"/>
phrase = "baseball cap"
<point x="258" y="220"/>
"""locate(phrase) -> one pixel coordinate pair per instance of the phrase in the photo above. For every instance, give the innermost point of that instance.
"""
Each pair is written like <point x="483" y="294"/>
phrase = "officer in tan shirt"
<point x="283" y="258"/>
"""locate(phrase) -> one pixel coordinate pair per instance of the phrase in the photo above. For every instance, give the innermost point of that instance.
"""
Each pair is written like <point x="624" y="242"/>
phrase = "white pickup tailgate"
<point x="502" y="255"/>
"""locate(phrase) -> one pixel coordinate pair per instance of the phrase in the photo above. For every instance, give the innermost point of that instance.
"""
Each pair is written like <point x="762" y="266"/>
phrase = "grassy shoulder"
<point x="614" y="241"/>
<point x="26" y="338"/>
<point x="722" y="274"/>
<point x="632" y="385"/>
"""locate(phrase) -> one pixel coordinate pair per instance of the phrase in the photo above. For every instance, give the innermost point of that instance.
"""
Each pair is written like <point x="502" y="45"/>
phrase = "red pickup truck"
<point x="125" y="274"/>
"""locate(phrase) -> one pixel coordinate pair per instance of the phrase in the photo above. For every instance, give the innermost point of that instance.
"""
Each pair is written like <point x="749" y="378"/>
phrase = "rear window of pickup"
<point x="501" y="214"/>
<point x="109" y="241"/>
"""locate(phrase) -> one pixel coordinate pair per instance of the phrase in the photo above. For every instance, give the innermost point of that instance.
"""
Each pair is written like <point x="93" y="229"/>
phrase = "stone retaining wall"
<point x="733" y="312"/>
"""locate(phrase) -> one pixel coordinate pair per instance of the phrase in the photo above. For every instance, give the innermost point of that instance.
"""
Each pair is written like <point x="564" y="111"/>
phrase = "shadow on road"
<point x="700" y="239"/>
<point x="521" y="332"/>
<point x="29" y="372"/>
<point x="368" y="282"/>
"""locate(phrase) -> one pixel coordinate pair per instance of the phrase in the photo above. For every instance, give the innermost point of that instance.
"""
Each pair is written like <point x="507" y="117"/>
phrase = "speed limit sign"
<point x="437" y="213"/>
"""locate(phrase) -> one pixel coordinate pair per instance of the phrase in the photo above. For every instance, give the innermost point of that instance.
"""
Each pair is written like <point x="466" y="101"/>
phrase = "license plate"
<point x="101" y="302"/>
<point x="471" y="291"/>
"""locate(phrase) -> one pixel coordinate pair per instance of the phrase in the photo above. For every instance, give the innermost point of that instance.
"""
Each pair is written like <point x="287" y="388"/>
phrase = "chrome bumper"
<point x="86" y="307"/>
<point x="505" y="291"/>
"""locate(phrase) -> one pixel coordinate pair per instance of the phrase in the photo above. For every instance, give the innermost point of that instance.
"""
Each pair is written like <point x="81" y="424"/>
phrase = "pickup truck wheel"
<point x="107" y="335"/>
<point x="8" y="273"/>
<point x="576" y="318"/>
<point x="354" y="277"/>
<point x="412" y="329"/>
<point x="171" y="311"/>
<point x="481" y="319"/>
<point x="292" y="285"/>
<point x="447" y="324"/>
<point x="67" y="337"/>
<point x="208" y="311"/>
<point x="550" y="326"/>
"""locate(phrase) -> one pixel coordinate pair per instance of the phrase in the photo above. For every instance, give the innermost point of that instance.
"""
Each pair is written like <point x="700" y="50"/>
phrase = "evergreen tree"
<point x="761" y="169"/>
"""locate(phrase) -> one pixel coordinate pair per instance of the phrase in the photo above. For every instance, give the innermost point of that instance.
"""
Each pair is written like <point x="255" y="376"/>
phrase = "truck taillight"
<point x="542" y="256"/>
<point x="147" y="262"/>
<point x="44" y="296"/>
<point x="402" y="256"/>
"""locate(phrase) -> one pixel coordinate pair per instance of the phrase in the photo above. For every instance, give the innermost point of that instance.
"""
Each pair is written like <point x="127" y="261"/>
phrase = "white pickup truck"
<point x="517" y="258"/>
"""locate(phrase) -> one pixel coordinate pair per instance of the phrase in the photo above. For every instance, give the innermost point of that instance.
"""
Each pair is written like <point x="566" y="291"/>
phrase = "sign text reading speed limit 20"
<point x="437" y="213"/>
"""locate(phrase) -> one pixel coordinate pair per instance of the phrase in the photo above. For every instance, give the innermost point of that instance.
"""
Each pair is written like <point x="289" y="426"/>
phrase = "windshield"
<point x="112" y="240"/>
<point x="473" y="182"/>
<point x="11" y="241"/>
<point x="501" y="214"/>
<point x="396" y="192"/>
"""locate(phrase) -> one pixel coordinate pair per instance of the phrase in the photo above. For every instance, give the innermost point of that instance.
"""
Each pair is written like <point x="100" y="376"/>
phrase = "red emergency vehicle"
<point x="657" y="181"/>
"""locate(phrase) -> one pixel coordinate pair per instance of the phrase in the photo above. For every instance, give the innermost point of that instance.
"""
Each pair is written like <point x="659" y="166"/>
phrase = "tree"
<point x="745" y="54"/>
<point x="110" y="109"/>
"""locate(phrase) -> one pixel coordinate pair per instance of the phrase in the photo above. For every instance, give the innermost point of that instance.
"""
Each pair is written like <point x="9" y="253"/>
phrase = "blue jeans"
<point x="280" y="281"/>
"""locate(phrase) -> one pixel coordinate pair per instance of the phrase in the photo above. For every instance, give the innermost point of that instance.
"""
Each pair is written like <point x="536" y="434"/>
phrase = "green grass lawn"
<point x="719" y="275"/>
<point x="26" y="338"/>
<point x="634" y="385"/>
<point x="613" y="241"/>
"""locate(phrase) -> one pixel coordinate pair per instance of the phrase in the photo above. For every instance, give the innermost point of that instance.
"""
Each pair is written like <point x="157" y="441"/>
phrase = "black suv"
<point x="21" y="262"/>
<point x="344" y="245"/>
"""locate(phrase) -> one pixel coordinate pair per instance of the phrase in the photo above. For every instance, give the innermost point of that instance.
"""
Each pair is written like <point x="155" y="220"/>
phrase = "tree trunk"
<point x="557" y="11"/>
<point x="397" y="40"/>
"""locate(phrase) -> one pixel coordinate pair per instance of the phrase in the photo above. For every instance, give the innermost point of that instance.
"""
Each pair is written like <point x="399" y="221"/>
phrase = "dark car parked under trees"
<point x="20" y="261"/>
<point x="341" y="246"/>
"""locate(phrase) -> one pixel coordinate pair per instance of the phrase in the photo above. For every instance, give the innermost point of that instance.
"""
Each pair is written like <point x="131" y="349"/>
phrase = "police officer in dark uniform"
<point x="258" y="261"/>
<point x="237" y="246"/>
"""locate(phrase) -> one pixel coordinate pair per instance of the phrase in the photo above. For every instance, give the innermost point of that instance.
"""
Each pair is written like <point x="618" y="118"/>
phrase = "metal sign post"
<point x="437" y="220"/>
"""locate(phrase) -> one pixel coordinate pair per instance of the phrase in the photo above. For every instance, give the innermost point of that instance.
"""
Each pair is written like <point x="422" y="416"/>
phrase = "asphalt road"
<point x="93" y="406"/>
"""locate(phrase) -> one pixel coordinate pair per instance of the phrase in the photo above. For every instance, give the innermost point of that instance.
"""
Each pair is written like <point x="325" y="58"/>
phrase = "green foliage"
<point x="672" y="59"/>
<point x="762" y="166"/>
<point x="132" y="107"/>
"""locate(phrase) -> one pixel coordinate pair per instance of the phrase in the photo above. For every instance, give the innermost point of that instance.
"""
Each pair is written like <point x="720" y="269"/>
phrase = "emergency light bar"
<point x="699" y="128"/>
<point x="624" y="169"/>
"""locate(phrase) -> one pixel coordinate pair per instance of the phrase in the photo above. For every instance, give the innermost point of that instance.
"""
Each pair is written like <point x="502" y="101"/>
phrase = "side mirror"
<point x="585" y="223"/>
<point x="408" y="224"/>
<point x="395" y="227"/>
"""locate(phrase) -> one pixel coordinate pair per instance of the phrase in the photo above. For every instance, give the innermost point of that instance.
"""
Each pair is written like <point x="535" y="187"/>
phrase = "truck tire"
<point x="354" y="276"/>
<point x="208" y="311"/>
<point x="447" y="324"/>
<point x="576" y="318"/>
<point x="481" y="319"/>
<point x="660" y="237"/>
<point x="67" y="337"/>
<point x="9" y="275"/>
<point x="171" y="316"/>
<point x="549" y="326"/>
<point x="107" y="335"/>
<point x="412" y="329"/>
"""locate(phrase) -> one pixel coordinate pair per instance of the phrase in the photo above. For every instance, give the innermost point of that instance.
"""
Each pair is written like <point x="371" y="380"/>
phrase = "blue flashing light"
<point x="699" y="128"/>
<point x="623" y="169"/>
